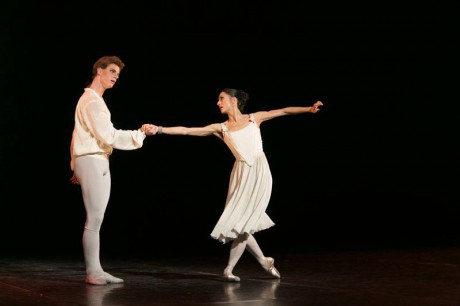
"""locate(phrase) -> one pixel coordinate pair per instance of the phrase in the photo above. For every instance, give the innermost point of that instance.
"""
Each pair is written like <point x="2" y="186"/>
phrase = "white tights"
<point x="94" y="177"/>
<point x="240" y="244"/>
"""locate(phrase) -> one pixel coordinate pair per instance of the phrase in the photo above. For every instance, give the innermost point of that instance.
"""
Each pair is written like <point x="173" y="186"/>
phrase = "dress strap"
<point x="251" y="118"/>
<point x="223" y="128"/>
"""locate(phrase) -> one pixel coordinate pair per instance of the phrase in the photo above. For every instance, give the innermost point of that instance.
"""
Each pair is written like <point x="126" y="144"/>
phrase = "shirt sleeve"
<point x="99" y="122"/>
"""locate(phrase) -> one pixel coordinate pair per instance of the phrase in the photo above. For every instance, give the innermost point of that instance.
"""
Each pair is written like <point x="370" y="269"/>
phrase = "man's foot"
<point x="112" y="279"/>
<point x="102" y="278"/>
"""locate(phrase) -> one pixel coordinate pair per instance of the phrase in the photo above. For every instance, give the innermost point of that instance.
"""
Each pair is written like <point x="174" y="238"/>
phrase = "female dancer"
<point x="250" y="183"/>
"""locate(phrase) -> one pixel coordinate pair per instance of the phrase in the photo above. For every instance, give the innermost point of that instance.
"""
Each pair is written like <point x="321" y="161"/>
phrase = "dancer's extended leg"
<point x="268" y="263"/>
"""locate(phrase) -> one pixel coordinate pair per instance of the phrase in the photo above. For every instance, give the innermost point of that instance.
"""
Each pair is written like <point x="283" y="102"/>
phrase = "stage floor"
<point x="409" y="277"/>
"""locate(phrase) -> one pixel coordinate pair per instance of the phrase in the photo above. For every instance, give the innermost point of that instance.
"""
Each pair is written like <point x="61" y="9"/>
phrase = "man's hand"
<point x="149" y="129"/>
<point x="74" y="180"/>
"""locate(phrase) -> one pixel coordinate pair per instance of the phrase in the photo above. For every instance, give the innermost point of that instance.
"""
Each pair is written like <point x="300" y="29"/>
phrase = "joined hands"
<point x="149" y="129"/>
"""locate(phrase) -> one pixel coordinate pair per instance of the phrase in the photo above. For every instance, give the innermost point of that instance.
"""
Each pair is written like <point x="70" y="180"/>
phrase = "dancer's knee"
<point x="242" y="238"/>
<point x="95" y="230"/>
<point x="94" y="223"/>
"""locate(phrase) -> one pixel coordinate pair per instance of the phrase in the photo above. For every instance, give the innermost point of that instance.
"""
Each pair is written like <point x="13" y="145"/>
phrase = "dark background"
<point x="377" y="167"/>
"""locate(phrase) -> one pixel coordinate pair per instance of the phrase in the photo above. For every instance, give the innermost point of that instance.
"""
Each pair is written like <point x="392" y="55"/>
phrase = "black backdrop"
<point x="377" y="167"/>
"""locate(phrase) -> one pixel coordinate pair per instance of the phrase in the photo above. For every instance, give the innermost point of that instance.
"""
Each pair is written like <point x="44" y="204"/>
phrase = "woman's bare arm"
<point x="291" y="110"/>
<point x="212" y="129"/>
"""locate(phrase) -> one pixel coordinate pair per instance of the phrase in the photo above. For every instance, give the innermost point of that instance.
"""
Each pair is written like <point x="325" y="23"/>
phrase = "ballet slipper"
<point x="229" y="277"/>
<point x="96" y="279"/>
<point x="269" y="266"/>
<point x="112" y="279"/>
<point x="102" y="278"/>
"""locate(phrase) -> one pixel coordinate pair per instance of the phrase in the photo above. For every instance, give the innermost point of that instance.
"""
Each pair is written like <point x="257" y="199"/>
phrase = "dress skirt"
<point x="248" y="196"/>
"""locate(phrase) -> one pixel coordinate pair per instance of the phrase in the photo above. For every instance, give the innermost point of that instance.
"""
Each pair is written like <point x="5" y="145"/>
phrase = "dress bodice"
<point x="246" y="143"/>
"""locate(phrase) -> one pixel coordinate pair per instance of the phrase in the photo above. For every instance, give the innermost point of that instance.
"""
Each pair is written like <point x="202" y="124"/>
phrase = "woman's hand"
<point x="315" y="107"/>
<point x="149" y="129"/>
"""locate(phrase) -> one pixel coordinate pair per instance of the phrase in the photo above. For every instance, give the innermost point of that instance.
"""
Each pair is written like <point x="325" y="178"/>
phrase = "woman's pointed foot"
<point x="269" y="266"/>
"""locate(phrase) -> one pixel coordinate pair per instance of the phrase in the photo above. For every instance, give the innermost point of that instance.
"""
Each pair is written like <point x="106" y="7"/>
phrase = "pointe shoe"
<point x="229" y="277"/>
<point x="269" y="266"/>
<point x="102" y="278"/>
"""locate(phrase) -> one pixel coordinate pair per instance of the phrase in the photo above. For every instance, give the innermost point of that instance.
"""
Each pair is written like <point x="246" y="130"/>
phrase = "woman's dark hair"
<point x="239" y="94"/>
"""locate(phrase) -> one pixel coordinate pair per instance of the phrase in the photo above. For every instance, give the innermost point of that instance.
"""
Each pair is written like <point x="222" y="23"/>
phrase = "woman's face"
<point x="224" y="102"/>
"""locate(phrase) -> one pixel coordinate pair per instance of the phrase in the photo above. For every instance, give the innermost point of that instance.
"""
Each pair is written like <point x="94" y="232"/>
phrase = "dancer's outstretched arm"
<point x="291" y="110"/>
<point x="212" y="129"/>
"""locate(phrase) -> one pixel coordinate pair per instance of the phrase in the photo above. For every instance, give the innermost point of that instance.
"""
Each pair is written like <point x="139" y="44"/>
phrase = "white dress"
<point x="249" y="188"/>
